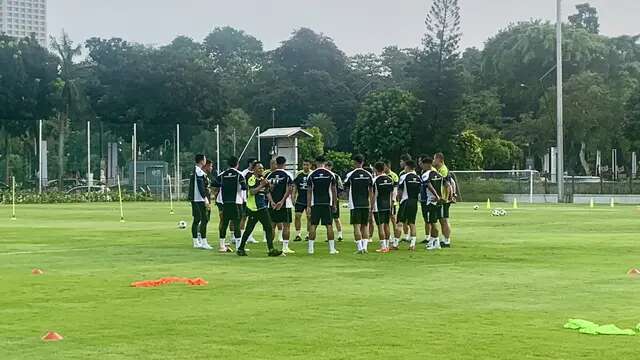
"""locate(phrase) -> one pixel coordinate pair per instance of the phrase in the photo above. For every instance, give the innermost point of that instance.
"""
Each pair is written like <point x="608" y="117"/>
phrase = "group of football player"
<point x="376" y="197"/>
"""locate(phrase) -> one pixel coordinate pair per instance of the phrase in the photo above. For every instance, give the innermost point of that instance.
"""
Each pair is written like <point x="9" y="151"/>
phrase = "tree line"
<point x="490" y="108"/>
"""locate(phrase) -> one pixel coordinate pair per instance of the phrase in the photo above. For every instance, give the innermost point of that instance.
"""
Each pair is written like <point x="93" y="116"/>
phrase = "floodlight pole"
<point x="134" y="147"/>
<point x="89" y="177"/>
<point x="258" y="139"/>
<point x="559" y="107"/>
<point x="273" y="126"/>
<point x="218" y="147"/>
<point x="178" y="172"/>
<point x="40" y="179"/>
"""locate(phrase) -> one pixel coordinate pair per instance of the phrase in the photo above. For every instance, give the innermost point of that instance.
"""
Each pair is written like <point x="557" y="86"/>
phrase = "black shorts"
<point x="359" y="216"/>
<point x="408" y="212"/>
<point x="336" y="214"/>
<point x="382" y="217"/>
<point x="232" y="211"/>
<point x="445" y="211"/>
<point x="300" y="208"/>
<point x="282" y="216"/>
<point x="431" y="213"/>
<point x="198" y="209"/>
<point x="321" y="215"/>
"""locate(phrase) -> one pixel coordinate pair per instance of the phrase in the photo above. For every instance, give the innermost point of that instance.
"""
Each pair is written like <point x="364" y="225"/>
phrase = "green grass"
<point x="503" y="292"/>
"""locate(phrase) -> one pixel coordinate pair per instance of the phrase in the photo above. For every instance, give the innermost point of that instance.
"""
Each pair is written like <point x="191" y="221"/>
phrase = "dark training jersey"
<point x="300" y="183"/>
<point x="358" y="182"/>
<point x="320" y="182"/>
<point x="232" y="185"/>
<point x="410" y="185"/>
<point x="437" y="181"/>
<point x="280" y="181"/>
<point x="383" y="189"/>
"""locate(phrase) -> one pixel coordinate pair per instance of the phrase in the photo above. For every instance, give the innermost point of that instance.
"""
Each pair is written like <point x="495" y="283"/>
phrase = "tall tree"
<point x="28" y="74"/>
<point x="586" y="18"/>
<point x="327" y="127"/>
<point x="237" y="57"/>
<point x="70" y="93"/>
<point x="439" y="74"/>
<point x="307" y="74"/>
<point x="384" y="124"/>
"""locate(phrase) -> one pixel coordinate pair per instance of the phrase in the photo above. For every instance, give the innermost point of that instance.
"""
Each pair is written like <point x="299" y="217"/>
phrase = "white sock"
<point x="339" y="234"/>
<point x="365" y="244"/>
<point x="446" y="240"/>
<point x="413" y="241"/>
<point x="359" y="245"/>
<point x="332" y="245"/>
<point x="237" y="241"/>
<point x="222" y="244"/>
<point x="297" y="233"/>
<point x="395" y="241"/>
<point x="280" y="236"/>
<point x="383" y="244"/>
<point x="311" y="246"/>
<point x="285" y="244"/>
<point x="407" y="237"/>
<point x="196" y="242"/>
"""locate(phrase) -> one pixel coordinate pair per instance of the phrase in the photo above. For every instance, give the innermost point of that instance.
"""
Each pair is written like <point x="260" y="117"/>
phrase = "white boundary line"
<point x="41" y="251"/>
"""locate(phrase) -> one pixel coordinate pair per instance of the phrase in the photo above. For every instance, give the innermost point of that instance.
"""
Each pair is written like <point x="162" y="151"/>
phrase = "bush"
<point x="341" y="161"/>
<point x="56" y="197"/>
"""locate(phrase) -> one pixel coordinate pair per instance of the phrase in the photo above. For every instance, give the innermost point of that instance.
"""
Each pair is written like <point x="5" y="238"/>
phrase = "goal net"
<point x="500" y="185"/>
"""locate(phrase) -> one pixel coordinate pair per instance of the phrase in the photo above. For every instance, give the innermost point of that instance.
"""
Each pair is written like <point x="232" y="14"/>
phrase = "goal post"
<point x="480" y="185"/>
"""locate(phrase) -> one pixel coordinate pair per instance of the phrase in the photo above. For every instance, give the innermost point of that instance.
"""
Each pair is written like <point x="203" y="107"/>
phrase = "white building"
<point x="21" y="18"/>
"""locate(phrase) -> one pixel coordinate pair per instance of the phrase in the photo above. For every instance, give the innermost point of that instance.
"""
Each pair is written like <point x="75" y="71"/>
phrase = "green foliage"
<point x="586" y="18"/>
<point x="481" y="108"/>
<point x="467" y="151"/>
<point x="500" y="154"/>
<point x="384" y="124"/>
<point x="56" y="197"/>
<point x="438" y="77"/>
<point x="309" y="149"/>
<point x="341" y="161"/>
<point x="327" y="128"/>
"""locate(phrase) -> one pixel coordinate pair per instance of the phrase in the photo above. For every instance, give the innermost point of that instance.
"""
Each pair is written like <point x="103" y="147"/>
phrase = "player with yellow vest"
<point x="258" y="210"/>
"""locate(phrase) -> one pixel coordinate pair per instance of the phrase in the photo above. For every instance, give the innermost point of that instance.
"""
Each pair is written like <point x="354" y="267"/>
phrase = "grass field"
<point x="502" y="292"/>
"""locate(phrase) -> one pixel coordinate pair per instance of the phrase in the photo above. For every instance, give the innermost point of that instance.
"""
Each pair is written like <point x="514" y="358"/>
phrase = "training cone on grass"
<point x="37" y="272"/>
<point x="515" y="203"/>
<point x="633" y="272"/>
<point x="613" y="203"/>
<point x="592" y="203"/>
<point x="488" y="203"/>
<point x="52" y="336"/>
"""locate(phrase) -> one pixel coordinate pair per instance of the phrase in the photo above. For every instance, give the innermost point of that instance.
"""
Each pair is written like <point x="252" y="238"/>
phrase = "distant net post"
<point x="498" y="185"/>
<point x="171" y="211"/>
<point x="120" y="198"/>
<point x="13" y="198"/>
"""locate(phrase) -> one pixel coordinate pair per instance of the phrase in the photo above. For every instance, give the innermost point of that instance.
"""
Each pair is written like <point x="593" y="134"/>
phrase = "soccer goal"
<point x="500" y="185"/>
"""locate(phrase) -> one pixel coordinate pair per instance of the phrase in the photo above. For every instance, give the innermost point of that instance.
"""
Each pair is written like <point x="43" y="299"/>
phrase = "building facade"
<point x="22" y="18"/>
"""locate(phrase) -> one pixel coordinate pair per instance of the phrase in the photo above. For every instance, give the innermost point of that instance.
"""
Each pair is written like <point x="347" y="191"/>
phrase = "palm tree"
<point x="68" y="74"/>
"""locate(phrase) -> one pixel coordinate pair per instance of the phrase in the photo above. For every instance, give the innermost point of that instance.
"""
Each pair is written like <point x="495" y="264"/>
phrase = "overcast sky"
<point x="357" y="26"/>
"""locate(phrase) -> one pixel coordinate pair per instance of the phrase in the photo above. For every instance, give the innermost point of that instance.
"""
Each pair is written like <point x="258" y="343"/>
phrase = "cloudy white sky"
<point x="356" y="25"/>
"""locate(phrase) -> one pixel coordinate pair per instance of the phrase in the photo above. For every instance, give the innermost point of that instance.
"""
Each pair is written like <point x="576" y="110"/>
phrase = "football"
<point x="182" y="224"/>
<point x="476" y="207"/>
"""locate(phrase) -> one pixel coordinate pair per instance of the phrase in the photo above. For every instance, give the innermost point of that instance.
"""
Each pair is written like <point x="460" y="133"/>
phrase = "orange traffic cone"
<point x="633" y="272"/>
<point x="37" y="272"/>
<point x="52" y="336"/>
